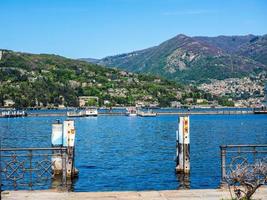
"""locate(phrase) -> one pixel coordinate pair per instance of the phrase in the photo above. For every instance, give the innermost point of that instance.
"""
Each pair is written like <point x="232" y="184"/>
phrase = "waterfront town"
<point x="133" y="100"/>
<point x="244" y="92"/>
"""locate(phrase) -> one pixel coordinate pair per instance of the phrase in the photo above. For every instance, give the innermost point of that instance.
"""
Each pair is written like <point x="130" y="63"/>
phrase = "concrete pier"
<point x="210" y="112"/>
<point x="194" y="194"/>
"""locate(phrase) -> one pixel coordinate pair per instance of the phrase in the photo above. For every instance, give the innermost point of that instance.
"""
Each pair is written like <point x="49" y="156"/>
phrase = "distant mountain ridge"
<point x="229" y="44"/>
<point x="91" y="60"/>
<point x="255" y="49"/>
<point x="196" y="59"/>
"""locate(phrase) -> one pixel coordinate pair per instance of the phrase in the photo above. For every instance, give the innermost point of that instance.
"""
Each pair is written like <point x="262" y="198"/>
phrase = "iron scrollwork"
<point x="30" y="168"/>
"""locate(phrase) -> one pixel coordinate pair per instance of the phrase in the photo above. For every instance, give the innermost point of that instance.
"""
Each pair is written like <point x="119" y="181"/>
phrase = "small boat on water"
<point x="88" y="112"/>
<point x="75" y="113"/>
<point x="12" y="114"/>
<point x="148" y="113"/>
<point x="91" y="112"/>
<point x="262" y="110"/>
<point x="131" y="111"/>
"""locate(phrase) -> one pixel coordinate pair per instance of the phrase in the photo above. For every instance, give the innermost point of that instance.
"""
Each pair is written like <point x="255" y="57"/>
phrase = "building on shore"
<point x="9" y="103"/>
<point x="88" y="101"/>
<point x="176" y="104"/>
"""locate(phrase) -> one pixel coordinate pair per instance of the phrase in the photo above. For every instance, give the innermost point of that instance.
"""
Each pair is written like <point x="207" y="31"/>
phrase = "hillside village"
<point x="244" y="92"/>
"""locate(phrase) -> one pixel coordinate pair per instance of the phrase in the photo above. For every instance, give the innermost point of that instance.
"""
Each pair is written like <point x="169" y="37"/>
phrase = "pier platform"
<point x="193" y="194"/>
<point x="238" y="112"/>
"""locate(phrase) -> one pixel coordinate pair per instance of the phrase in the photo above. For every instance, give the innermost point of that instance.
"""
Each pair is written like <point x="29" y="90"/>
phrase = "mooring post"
<point x="57" y="141"/>
<point x="223" y="165"/>
<point x="183" y="146"/>
<point x="63" y="135"/>
<point x="64" y="170"/>
<point x="68" y="141"/>
<point x="177" y="148"/>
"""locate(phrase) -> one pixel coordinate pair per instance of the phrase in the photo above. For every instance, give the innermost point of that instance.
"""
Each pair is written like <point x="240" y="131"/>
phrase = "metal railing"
<point x="32" y="168"/>
<point x="231" y="155"/>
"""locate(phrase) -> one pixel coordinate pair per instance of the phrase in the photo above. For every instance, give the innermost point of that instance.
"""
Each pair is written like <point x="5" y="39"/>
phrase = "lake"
<point x="118" y="153"/>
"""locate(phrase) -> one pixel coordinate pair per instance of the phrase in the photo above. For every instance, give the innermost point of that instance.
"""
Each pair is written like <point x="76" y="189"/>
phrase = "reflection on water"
<point x="135" y="153"/>
<point x="184" y="181"/>
<point x="56" y="183"/>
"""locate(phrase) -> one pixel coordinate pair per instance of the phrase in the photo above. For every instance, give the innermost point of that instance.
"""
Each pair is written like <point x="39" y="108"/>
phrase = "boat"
<point x="88" y="112"/>
<point x="75" y="113"/>
<point x="91" y="112"/>
<point x="12" y="114"/>
<point x="149" y="113"/>
<point x="131" y="111"/>
<point x="262" y="110"/>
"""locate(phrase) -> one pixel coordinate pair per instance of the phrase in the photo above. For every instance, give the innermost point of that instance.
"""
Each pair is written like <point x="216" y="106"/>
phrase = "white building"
<point x="106" y="102"/>
<point x="9" y="103"/>
<point x="176" y="104"/>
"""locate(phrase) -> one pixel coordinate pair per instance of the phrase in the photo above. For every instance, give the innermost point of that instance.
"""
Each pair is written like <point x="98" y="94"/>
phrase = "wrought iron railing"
<point x="233" y="155"/>
<point x="32" y="168"/>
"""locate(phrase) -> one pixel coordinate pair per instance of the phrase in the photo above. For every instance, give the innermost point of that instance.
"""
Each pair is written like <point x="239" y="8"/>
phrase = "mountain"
<point x="255" y="49"/>
<point x="90" y="60"/>
<point x="196" y="59"/>
<point x="46" y="80"/>
<point x="251" y="46"/>
<point x="229" y="44"/>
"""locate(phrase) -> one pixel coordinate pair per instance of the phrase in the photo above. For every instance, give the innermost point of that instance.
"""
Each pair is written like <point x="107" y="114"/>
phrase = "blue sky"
<point x="98" y="28"/>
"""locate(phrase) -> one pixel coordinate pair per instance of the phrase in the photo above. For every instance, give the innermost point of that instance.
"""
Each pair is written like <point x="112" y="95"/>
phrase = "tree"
<point x="247" y="178"/>
<point x="92" y="102"/>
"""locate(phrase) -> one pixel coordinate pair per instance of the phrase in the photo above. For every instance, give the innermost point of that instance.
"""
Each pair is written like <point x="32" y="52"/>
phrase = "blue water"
<point x="135" y="153"/>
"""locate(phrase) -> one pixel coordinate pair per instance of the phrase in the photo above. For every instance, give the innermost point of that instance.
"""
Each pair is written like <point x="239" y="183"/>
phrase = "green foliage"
<point x="225" y="102"/>
<point x="49" y="80"/>
<point x="92" y="102"/>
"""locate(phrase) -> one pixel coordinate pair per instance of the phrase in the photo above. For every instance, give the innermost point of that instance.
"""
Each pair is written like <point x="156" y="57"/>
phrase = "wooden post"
<point x="68" y="141"/>
<point x="57" y="137"/>
<point x="63" y="135"/>
<point x="64" y="170"/>
<point x="57" y="141"/>
<point x="183" y="146"/>
<point x="223" y="166"/>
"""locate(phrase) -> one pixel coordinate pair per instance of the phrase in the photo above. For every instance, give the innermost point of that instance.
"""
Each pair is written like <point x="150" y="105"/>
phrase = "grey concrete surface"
<point x="207" y="194"/>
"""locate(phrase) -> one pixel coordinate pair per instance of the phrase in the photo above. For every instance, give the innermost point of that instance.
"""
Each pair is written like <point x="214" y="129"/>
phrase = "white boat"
<point x="131" y="111"/>
<point x="91" y="112"/>
<point x="149" y="113"/>
<point x="75" y="113"/>
<point x="88" y="112"/>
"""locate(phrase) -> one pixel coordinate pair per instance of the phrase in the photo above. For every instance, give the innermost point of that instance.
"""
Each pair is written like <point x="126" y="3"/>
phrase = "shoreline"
<point x="124" y="107"/>
<point x="122" y="111"/>
<point x="158" y="113"/>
